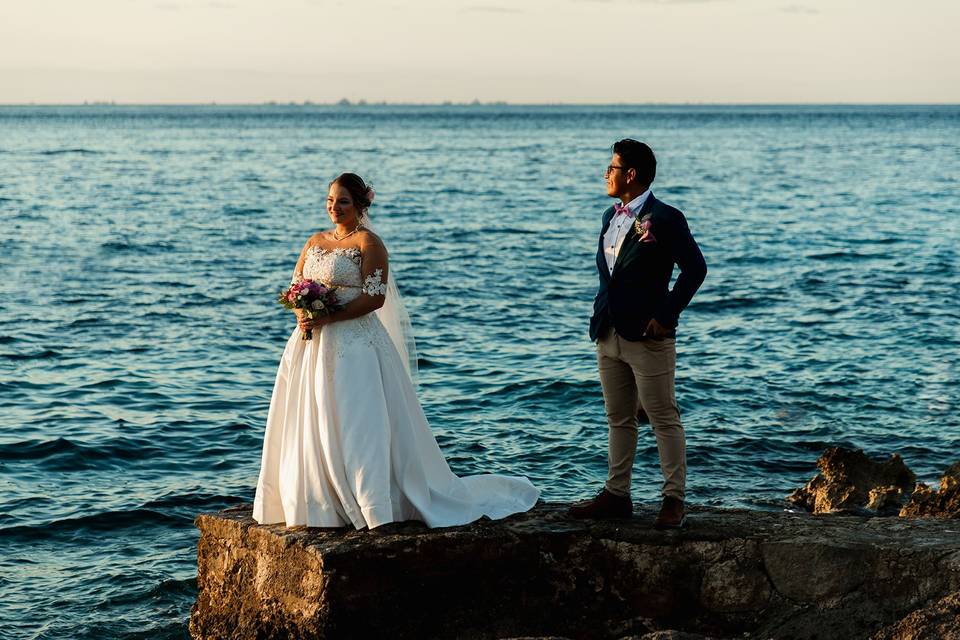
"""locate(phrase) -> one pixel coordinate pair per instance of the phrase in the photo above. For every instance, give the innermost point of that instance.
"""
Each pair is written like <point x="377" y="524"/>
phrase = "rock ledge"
<point x="732" y="572"/>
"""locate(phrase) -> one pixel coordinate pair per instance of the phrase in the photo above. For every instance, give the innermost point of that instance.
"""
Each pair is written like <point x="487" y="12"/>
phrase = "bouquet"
<point x="315" y="298"/>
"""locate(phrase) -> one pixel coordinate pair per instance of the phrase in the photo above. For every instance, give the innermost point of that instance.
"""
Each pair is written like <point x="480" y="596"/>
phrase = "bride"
<point x="346" y="440"/>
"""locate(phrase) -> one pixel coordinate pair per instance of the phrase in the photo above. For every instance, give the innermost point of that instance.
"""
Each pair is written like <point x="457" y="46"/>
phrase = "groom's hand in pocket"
<point x="656" y="330"/>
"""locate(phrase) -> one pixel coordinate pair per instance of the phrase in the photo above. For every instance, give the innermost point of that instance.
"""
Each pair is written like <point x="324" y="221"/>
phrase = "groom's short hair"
<point x="639" y="157"/>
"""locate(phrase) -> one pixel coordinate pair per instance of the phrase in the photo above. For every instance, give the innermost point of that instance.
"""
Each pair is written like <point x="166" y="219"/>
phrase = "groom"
<point x="634" y="323"/>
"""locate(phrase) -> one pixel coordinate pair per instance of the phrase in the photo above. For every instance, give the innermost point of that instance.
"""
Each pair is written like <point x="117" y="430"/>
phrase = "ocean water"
<point x="141" y="249"/>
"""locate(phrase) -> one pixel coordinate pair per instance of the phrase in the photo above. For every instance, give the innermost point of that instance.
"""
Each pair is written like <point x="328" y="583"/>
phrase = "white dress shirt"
<point x="617" y="231"/>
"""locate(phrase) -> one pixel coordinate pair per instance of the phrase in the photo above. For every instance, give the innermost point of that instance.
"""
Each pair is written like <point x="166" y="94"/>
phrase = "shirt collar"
<point x="637" y="202"/>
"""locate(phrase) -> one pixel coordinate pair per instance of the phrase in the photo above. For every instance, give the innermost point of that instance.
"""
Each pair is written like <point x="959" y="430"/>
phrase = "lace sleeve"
<point x="393" y="313"/>
<point x="297" y="277"/>
<point x="373" y="284"/>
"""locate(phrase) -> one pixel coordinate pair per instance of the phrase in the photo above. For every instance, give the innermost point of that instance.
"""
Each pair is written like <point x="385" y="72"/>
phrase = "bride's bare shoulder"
<point x="370" y="240"/>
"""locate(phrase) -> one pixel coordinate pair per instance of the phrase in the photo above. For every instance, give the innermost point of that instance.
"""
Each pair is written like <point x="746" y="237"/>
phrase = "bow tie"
<point x="623" y="210"/>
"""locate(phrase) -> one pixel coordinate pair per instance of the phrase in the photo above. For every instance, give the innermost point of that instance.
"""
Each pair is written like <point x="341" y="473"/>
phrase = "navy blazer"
<point x="639" y="287"/>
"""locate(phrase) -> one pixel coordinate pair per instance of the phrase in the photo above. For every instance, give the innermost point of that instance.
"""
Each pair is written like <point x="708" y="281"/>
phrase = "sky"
<point x="529" y="51"/>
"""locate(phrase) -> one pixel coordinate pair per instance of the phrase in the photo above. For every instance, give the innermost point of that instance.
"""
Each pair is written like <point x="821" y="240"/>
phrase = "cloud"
<point x="654" y="1"/>
<point x="489" y="8"/>
<point x="180" y="6"/>
<point x="798" y="8"/>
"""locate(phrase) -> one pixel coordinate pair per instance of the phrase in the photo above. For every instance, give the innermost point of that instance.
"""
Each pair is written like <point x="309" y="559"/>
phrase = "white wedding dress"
<point x="346" y="440"/>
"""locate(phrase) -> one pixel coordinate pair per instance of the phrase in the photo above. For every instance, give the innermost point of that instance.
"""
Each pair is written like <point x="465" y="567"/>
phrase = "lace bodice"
<point x="339" y="267"/>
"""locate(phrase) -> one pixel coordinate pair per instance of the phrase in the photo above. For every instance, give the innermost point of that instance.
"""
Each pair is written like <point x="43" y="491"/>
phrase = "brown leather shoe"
<point x="672" y="515"/>
<point x="603" y="505"/>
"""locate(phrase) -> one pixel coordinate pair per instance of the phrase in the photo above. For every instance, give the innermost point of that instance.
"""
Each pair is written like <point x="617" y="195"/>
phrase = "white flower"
<point x="373" y="285"/>
<point x="317" y="304"/>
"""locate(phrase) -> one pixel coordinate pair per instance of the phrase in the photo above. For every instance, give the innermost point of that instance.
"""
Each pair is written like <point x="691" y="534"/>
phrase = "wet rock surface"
<point x="849" y="481"/>
<point x="730" y="574"/>
<point x="942" y="503"/>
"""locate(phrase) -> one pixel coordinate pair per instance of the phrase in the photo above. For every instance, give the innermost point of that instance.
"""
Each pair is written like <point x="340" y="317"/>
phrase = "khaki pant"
<point x="637" y="379"/>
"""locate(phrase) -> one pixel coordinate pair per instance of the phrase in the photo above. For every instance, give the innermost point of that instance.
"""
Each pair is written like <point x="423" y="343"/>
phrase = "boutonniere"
<point x="643" y="227"/>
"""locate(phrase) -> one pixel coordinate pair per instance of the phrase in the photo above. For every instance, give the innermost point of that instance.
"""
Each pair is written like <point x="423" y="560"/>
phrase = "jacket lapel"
<point x="601" y="258"/>
<point x="629" y="245"/>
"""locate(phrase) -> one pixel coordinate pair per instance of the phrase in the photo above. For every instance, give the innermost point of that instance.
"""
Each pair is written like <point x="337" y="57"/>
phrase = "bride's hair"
<point x="360" y="191"/>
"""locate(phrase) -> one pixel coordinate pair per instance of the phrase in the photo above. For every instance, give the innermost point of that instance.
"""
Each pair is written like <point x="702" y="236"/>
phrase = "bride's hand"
<point x="303" y="322"/>
<point x="321" y="321"/>
<point x="306" y="323"/>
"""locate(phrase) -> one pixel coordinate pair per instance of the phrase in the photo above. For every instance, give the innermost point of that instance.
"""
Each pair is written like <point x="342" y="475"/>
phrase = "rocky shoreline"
<point x="851" y="482"/>
<point x="842" y="573"/>
<point x="730" y="574"/>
